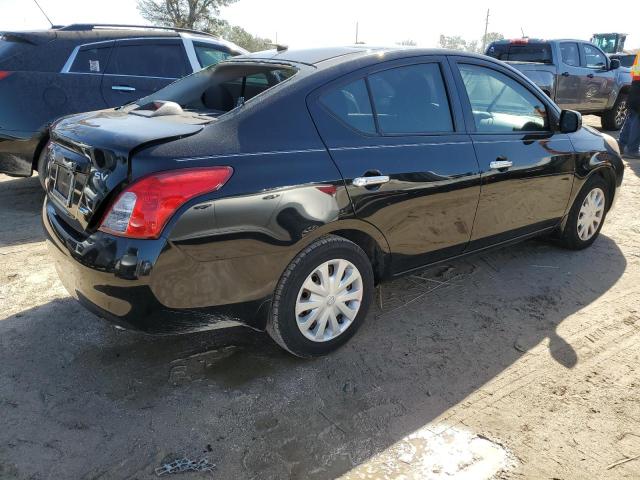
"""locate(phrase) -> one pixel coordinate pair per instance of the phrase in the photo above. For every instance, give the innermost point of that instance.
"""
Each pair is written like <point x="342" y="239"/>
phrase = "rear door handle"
<point x="370" y="181"/>
<point x="501" y="164"/>
<point x="122" y="88"/>
<point x="566" y="74"/>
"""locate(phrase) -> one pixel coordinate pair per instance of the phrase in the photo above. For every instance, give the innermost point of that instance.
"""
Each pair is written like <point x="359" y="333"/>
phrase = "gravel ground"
<point x="520" y="363"/>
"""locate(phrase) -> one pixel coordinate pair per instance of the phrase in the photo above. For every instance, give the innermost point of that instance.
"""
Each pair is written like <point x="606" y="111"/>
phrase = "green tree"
<point x="194" y="14"/>
<point x="238" y="35"/>
<point x="408" y="43"/>
<point x="453" y="43"/>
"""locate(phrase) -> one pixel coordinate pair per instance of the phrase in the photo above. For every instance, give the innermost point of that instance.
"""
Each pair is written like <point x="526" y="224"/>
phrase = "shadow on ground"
<point x="82" y="400"/>
<point x="20" y="204"/>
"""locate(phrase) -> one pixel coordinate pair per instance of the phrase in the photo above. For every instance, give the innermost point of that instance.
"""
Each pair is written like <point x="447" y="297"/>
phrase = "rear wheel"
<point x="587" y="215"/>
<point x="614" y="119"/>
<point x="322" y="297"/>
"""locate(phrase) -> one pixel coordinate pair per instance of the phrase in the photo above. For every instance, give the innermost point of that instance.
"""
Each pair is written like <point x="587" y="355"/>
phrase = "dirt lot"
<point x="521" y="363"/>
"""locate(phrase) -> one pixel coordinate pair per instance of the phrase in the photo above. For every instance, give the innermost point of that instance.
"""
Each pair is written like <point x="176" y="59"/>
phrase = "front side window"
<point x="500" y="104"/>
<point x="209" y="54"/>
<point x="91" y="60"/>
<point x="148" y="60"/>
<point x="570" y="54"/>
<point x="411" y="100"/>
<point x="350" y="103"/>
<point x="594" y="57"/>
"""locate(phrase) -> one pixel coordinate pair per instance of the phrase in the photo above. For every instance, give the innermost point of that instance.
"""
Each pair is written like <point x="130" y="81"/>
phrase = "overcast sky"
<point x="332" y="22"/>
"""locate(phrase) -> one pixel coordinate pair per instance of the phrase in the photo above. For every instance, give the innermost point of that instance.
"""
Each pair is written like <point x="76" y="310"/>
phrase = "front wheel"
<point x="587" y="215"/>
<point x="322" y="297"/>
<point x="614" y="119"/>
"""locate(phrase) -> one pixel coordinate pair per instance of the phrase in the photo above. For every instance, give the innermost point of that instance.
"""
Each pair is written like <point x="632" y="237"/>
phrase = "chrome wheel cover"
<point x="591" y="214"/>
<point x="329" y="300"/>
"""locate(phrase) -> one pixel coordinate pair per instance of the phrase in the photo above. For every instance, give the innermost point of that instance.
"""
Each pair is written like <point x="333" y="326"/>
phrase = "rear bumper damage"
<point x="134" y="283"/>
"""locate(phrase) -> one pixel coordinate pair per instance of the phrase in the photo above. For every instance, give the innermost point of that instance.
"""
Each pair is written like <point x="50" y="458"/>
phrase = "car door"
<point x="396" y="133"/>
<point x="569" y="80"/>
<point x="140" y="67"/>
<point x="598" y="80"/>
<point x="526" y="165"/>
<point x="82" y="75"/>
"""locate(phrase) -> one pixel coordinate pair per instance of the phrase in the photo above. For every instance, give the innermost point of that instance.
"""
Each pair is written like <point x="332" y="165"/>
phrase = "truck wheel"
<point x="322" y="297"/>
<point x="614" y="119"/>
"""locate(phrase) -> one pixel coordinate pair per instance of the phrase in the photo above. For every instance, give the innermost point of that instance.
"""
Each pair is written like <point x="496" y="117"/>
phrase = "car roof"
<point x="331" y="56"/>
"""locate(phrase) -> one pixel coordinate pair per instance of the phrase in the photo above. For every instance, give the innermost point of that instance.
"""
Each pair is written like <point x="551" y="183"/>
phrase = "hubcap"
<point x="329" y="300"/>
<point x="591" y="213"/>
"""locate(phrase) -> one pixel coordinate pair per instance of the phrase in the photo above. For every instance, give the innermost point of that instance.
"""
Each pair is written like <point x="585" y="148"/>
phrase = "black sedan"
<point x="276" y="189"/>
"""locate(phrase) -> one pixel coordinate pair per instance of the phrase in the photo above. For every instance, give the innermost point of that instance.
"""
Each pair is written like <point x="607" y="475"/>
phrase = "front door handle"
<point x="122" y="88"/>
<point x="370" y="181"/>
<point x="501" y="164"/>
<point x="591" y="75"/>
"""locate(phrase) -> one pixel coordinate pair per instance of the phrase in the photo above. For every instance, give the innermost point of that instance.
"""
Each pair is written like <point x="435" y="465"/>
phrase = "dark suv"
<point x="77" y="68"/>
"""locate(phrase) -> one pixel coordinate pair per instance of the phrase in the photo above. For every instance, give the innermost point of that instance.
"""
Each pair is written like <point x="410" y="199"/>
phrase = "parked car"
<point x="78" y="68"/>
<point x="275" y="190"/>
<point x="576" y="74"/>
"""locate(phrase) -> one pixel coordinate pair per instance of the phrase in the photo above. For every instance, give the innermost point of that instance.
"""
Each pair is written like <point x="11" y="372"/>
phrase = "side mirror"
<point x="570" y="121"/>
<point x="615" y="64"/>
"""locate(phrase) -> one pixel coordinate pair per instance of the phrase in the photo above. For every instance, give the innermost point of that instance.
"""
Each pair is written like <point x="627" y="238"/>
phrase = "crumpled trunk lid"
<point x="90" y="154"/>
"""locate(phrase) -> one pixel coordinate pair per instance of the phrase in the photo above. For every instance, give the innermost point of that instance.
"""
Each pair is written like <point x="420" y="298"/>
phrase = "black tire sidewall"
<point x="570" y="238"/>
<point x="286" y="323"/>
<point x="42" y="166"/>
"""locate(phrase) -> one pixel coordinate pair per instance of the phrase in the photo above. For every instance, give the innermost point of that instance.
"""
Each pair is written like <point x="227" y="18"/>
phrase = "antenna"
<point x="45" y="15"/>
<point x="357" y="28"/>
<point x="522" y="30"/>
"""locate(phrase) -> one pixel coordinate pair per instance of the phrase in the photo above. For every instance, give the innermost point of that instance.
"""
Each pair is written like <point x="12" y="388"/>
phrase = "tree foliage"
<point x="408" y="43"/>
<point x="199" y="15"/>
<point x="238" y="35"/>
<point x="458" y="43"/>
<point x="193" y="14"/>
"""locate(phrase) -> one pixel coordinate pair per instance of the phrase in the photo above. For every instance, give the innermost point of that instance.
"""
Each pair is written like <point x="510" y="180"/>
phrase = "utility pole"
<point x="486" y="30"/>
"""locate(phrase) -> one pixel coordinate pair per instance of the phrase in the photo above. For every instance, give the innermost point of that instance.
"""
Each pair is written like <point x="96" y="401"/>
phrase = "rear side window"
<point x="594" y="57"/>
<point x="500" y="104"/>
<point x="209" y="54"/>
<point x="351" y="104"/>
<point x="521" y="52"/>
<point x="148" y="60"/>
<point x="411" y="100"/>
<point x="570" y="54"/>
<point x="91" y="60"/>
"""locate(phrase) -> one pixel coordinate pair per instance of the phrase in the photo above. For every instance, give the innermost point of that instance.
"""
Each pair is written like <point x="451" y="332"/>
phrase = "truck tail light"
<point x="4" y="74"/>
<point x="144" y="207"/>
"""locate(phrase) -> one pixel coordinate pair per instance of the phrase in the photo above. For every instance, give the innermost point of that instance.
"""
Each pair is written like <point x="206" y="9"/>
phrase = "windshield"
<point x="521" y="52"/>
<point x="221" y="88"/>
<point x="608" y="42"/>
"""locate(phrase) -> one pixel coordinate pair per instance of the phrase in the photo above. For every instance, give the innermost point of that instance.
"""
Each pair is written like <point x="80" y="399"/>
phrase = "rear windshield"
<point x="521" y="52"/>
<point x="221" y="88"/>
<point x="626" y="60"/>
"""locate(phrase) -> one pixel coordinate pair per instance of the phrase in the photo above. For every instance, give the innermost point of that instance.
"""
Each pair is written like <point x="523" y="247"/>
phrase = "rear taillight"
<point x="143" y="208"/>
<point x="4" y="74"/>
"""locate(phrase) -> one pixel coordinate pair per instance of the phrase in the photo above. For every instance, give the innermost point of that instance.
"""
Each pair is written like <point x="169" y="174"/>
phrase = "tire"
<point x="614" y="119"/>
<point x="42" y="167"/>
<point x="287" y="321"/>
<point x="575" y="238"/>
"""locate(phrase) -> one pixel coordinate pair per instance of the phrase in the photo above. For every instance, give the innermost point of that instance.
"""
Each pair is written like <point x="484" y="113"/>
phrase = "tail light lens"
<point x="144" y="208"/>
<point x="4" y="74"/>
